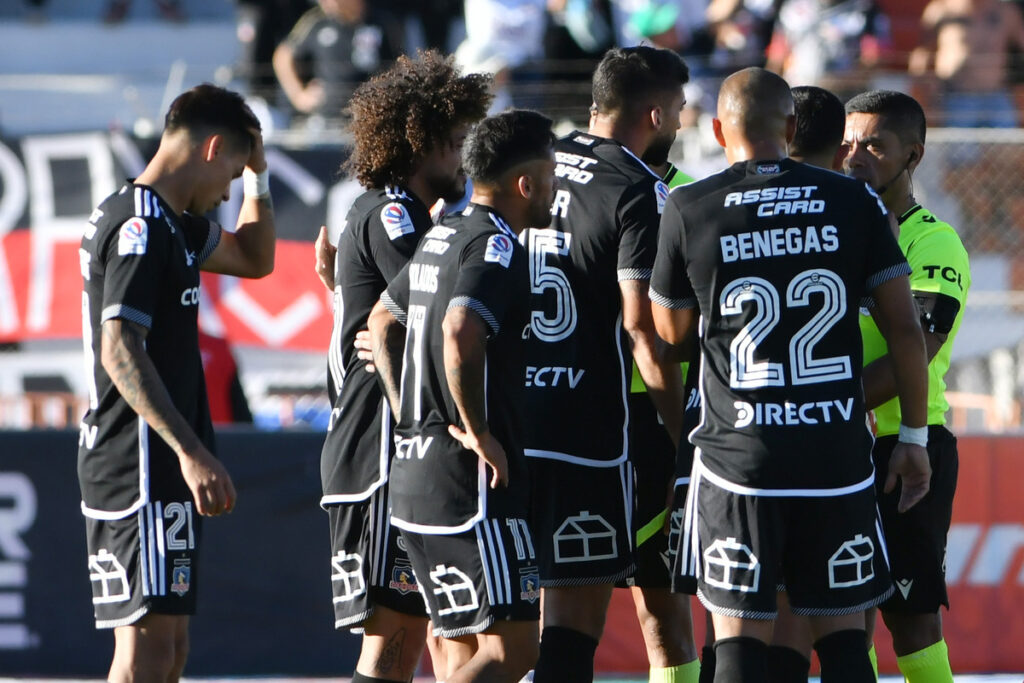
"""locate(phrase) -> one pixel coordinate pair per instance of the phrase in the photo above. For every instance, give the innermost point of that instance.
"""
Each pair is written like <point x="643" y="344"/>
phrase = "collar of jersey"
<point x="164" y="206"/>
<point x="909" y="212"/>
<point x="493" y="214"/>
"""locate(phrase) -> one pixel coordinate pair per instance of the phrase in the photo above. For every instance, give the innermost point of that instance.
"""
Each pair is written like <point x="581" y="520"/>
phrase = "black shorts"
<point x="917" y="537"/>
<point x="145" y="562"/>
<point x="369" y="563"/>
<point x="684" y="580"/>
<point x="472" y="579"/>
<point x="582" y="520"/>
<point x="829" y="551"/>
<point x="653" y="457"/>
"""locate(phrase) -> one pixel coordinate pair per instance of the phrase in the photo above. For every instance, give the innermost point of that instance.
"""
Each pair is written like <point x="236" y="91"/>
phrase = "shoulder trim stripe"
<point x="641" y="162"/>
<point x="634" y="273"/>
<point x="889" y="273"/>
<point x="212" y="240"/>
<point x="126" y="313"/>
<point x="479" y="308"/>
<point x="393" y="308"/>
<point x="675" y="304"/>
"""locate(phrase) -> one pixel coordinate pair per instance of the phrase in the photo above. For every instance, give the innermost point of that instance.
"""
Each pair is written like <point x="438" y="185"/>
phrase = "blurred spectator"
<point x="577" y="34"/>
<point x="436" y="18"/>
<point x="829" y="43"/>
<point x="679" y="25"/>
<point x="117" y="10"/>
<point x="223" y="387"/>
<point x="505" y="38"/>
<point x="262" y="25"/>
<point x="35" y="12"/>
<point x="333" y="48"/>
<point x="741" y="30"/>
<point x="964" y="60"/>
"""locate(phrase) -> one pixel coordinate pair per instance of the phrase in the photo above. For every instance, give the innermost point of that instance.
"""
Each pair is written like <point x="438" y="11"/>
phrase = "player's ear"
<point x="656" y="117"/>
<point x="790" y="128"/>
<point x="716" y="126"/>
<point x="524" y="184"/>
<point x="840" y="156"/>
<point x="212" y="146"/>
<point x="915" y="156"/>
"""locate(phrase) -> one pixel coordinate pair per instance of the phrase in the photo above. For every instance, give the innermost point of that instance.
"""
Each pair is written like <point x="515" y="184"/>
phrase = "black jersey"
<point x="778" y="257"/>
<point x="578" y="360"/>
<point x="380" y="234"/>
<point x="140" y="262"/>
<point x="437" y="486"/>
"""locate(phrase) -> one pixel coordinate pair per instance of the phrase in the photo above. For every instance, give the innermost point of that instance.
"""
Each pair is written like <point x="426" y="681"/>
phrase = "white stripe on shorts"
<point x="488" y="582"/>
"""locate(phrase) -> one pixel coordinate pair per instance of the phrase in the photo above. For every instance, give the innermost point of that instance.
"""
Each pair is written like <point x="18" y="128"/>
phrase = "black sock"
<point x="361" y="678"/>
<point x="740" y="660"/>
<point x="786" y="665"/>
<point x="566" y="656"/>
<point x="844" y="658"/>
<point x="707" y="664"/>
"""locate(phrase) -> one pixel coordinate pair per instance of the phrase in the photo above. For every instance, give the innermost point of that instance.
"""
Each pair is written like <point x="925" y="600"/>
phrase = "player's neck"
<point x="748" y="150"/>
<point x="172" y="184"/>
<point x="899" y="202"/>
<point x="614" y="128"/>
<point x="418" y="186"/>
<point x="509" y="209"/>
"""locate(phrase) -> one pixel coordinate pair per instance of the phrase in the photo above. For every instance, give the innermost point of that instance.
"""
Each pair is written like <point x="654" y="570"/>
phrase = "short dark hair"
<point x="401" y="114"/>
<point x="820" y="121"/>
<point x="900" y="113"/>
<point x="633" y="74"/>
<point x="207" y="109"/>
<point x="501" y="142"/>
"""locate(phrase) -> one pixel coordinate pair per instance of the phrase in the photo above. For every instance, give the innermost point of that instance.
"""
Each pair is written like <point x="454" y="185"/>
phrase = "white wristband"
<point x="915" y="435"/>
<point x="256" y="184"/>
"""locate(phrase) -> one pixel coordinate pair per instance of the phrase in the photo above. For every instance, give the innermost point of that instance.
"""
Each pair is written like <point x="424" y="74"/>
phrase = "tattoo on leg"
<point x="391" y="655"/>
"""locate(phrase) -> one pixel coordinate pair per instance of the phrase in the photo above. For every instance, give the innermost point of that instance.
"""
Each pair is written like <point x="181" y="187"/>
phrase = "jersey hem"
<point x="126" y="621"/>
<point x="573" y="459"/>
<point x="723" y="483"/>
<point x="436" y="529"/>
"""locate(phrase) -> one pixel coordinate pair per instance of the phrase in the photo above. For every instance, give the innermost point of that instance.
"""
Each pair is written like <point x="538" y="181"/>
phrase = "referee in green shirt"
<point x="885" y="132"/>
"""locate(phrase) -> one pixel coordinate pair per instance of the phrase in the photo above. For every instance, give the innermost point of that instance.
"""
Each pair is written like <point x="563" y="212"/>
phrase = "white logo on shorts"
<point x="348" y="573"/>
<point x="851" y="565"/>
<point x="585" y="537"/>
<point x="732" y="566"/>
<point x="105" y="570"/>
<point x="457" y="589"/>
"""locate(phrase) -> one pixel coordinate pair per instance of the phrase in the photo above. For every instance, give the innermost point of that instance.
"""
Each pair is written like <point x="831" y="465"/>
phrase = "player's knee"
<point x="181" y="649"/>
<point x="513" y="652"/>
<point x="913" y="632"/>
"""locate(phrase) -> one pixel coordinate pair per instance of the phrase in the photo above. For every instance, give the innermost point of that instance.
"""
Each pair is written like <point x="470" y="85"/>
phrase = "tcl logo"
<point x="190" y="297"/>
<point x="985" y="555"/>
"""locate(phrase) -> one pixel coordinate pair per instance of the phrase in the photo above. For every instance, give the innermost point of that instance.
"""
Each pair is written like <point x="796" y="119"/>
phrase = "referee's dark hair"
<point x="207" y="109"/>
<point x="900" y="113"/>
<point x="502" y="142"/>
<point x="401" y="114"/>
<point x="633" y="75"/>
<point x="820" y="122"/>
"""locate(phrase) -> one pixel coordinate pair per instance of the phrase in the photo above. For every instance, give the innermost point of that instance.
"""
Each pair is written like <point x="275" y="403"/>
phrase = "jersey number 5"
<point x="747" y="373"/>
<point x="545" y="275"/>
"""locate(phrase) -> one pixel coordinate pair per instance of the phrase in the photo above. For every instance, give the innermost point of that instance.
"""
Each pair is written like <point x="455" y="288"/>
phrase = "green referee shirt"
<point x="940" y="265"/>
<point x="673" y="178"/>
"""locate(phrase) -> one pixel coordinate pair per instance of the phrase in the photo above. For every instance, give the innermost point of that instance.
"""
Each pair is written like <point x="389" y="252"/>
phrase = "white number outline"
<point x="806" y="368"/>
<point x="744" y="371"/>
<point x="182" y="514"/>
<point x="545" y="275"/>
<point x="416" y="322"/>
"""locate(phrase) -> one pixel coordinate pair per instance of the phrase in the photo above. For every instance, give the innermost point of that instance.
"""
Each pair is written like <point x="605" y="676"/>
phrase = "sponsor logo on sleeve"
<point x="396" y="220"/>
<point x="499" y="250"/>
<point x="661" y="192"/>
<point x="132" y="237"/>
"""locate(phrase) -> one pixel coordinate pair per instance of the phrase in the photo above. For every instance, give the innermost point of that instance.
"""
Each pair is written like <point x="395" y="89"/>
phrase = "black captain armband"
<point x="938" y="311"/>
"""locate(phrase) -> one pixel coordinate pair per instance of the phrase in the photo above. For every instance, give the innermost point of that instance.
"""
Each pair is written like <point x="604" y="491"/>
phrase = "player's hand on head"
<point x="364" y="349"/>
<point x="488" y="448"/>
<point x="257" y="162"/>
<point x="325" y="255"/>
<point x="209" y="482"/>
<point x="910" y="463"/>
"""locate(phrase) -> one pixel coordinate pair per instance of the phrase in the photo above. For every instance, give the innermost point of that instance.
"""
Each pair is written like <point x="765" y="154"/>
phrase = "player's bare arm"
<point x="676" y="327"/>
<point x="906" y="344"/>
<point x="465" y="348"/>
<point x="879" y="375"/>
<point x="387" y="336"/>
<point x="661" y="375"/>
<point x="125" y="360"/>
<point x="325" y="255"/>
<point x="249" y="250"/>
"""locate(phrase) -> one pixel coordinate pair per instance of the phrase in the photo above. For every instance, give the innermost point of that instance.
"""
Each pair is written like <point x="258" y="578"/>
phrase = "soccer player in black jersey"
<point x="145" y="457"/>
<point x="775" y="257"/>
<point x="885" y="131"/>
<point x="408" y="127"/>
<point x="591" y="318"/>
<point x="448" y="346"/>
